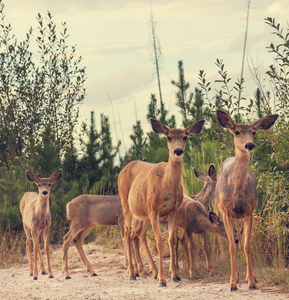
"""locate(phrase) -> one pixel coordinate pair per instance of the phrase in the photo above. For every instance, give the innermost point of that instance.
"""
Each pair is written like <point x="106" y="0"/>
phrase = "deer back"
<point x="102" y="210"/>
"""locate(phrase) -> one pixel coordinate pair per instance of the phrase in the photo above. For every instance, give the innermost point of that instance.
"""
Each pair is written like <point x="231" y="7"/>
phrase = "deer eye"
<point x="254" y="132"/>
<point x="237" y="132"/>
<point x="169" y="138"/>
<point x="185" y="138"/>
<point x="49" y="184"/>
<point x="39" y="185"/>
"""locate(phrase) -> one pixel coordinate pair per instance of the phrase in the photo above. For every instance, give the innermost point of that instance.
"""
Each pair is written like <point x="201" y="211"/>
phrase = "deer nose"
<point x="179" y="152"/>
<point x="250" y="146"/>
<point x="44" y="193"/>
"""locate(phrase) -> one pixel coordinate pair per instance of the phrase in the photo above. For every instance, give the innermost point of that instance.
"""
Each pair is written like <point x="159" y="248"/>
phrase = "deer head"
<point x="244" y="133"/>
<point x="44" y="184"/>
<point x="177" y="137"/>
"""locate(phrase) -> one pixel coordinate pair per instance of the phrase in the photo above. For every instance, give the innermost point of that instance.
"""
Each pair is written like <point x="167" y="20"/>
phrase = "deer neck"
<point x="42" y="205"/>
<point x="241" y="169"/>
<point x="206" y="195"/>
<point x="173" y="172"/>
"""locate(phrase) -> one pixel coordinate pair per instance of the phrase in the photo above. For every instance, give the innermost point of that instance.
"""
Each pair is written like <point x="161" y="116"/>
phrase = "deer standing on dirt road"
<point x="85" y="212"/>
<point x="236" y="191"/>
<point x="192" y="216"/>
<point x="36" y="217"/>
<point x="150" y="191"/>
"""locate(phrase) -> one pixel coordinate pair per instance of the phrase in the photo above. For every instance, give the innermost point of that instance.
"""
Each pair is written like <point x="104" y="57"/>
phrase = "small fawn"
<point x="36" y="217"/>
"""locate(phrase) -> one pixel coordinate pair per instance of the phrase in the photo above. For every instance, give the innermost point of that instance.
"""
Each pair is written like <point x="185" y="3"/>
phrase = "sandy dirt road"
<point x="112" y="282"/>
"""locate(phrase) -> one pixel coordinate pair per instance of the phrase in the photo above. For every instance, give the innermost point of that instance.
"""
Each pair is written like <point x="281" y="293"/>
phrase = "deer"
<point x="150" y="191"/>
<point x="193" y="218"/>
<point x="236" y="191"/>
<point x="85" y="212"/>
<point x="36" y="217"/>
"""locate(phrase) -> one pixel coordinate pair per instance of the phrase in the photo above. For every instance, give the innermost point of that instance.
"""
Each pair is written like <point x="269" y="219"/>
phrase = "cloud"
<point x="119" y="85"/>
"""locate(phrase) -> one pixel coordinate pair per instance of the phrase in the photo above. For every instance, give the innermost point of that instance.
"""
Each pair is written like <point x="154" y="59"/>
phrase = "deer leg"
<point x="229" y="227"/>
<point x="46" y="247"/>
<point x="78" y="244"/>
<point x="121" y="226"/>
<point x="28" y="248"/>
<point x="250" y="277"/>
<point x="192" y="246"/>
<point x="157" y="232"/>
<point x="143" y="242"/>
<point x="177" y="253"/>
<point x="35" y="238"/>
<point x="209" y="262"/>
<point x="137" y="262"/>
<point x="42" y="268"/>
<point x="67" y="239"/>
<point x="127" y="236"/>
<point x="185" y="250"/>
<point x="172" y="242"/>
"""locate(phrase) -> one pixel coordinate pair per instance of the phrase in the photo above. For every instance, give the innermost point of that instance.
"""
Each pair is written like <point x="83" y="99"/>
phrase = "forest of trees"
<point x="40" y="94"/>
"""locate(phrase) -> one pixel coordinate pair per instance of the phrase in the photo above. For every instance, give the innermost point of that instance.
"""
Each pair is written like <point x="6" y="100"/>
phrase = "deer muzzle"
<point x="44" y="193"/>
<point x="250" y="146"/>
<point x="179" y="152"/>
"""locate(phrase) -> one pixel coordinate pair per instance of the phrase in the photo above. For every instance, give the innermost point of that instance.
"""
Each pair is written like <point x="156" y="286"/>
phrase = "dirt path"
<point x="112" y="282"/>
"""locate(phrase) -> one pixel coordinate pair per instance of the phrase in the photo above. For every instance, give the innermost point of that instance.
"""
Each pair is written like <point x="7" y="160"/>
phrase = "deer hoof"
<point x="156" y="277"/>
<point x="137" y="275"/>
<point x="43" y="273"/>
<point x="67" y="277"/>
<point x="94" y="274"/>
<point x="177" y="279"/>
<point x="31" y="274"/>
<point x="252" y="287"/>
<point x="162" y="284"/>
<point x="51" y="276"/>
<point x="233" y="289"/>
<point x="34" y="278"/>
<point x="132" y="278"/>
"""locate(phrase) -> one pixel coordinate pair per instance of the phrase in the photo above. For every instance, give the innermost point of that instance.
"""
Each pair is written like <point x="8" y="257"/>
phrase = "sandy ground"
<point x="112" y="282"/>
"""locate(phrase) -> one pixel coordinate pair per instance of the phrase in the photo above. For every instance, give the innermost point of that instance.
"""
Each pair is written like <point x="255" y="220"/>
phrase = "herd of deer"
<point x="152" y="194"/>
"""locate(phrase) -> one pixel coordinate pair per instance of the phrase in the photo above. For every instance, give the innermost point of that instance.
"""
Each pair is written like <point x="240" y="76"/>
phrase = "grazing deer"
<point x="85" y="212"/>
<point x="193" y="218"/>
<point x="236" y="191"/>
<point x="150" y="191"/>
<point x="36" y="217"/>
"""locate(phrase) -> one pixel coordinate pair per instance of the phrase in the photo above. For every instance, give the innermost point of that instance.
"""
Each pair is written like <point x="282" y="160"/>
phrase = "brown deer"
<point x="193" y="218"/>
<point x="85" y="212"/>
<point x="150" y="191"/>
<point x="236" y="191"/>
<point x="36" y="217"/>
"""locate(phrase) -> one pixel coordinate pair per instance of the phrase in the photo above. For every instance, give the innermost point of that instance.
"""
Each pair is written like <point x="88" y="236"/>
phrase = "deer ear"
<point x="158" y="127"/>
<point x="212" y="172"/>
<point x="214" y="218"/>
<point x="264" y="123"/>
<point x="200" y="175"/>
<point x="225" y="120"/>
<point x="195" y="128"/>
<point x="32" y="177"/>
<point x="55" y="176"/>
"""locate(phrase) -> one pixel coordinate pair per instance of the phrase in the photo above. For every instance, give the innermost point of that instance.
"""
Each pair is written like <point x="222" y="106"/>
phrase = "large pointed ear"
<point x="195" y="128"/>
<point x="264" y="123"/>
<point x="55" y="176"/>
<point x="32" y="177"/>
<point x="200" y="175"/>
<point x="158" y="127"/>
<point x="225" y="120"/>
<point x="214" y="218"/>
<point x="212" y="172"/>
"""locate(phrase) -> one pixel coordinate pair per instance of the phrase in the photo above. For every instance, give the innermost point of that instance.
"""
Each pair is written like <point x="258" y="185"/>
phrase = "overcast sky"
<point x="114" y="38"/>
